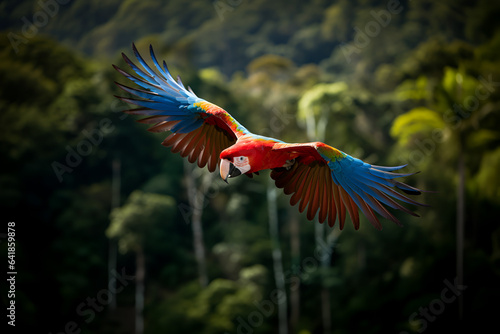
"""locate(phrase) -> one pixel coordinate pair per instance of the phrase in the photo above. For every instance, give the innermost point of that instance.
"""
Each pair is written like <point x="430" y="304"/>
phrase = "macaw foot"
<point x="288" y="164"/>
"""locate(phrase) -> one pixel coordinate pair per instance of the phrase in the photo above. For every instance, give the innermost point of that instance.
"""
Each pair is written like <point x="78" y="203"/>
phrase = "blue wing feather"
<point x="369" y="183"/>
<point x="350" y="183"/>
<point x="162" y="95"/>
<point x="146" y="94"/>
<point x="363" y="177"/>
<point x="188" y="125"/>
<point x="166" y="74"/>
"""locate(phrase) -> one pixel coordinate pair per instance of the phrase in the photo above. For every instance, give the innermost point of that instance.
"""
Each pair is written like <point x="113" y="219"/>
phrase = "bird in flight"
<point x="317" y="176"/>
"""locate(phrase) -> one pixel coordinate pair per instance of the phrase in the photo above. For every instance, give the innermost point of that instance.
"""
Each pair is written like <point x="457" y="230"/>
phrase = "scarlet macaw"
<point x="317" y="176"/>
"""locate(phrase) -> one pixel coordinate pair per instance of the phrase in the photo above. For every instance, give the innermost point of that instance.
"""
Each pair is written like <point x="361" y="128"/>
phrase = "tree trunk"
<point x="295" y="253"/>
<point x="199" y="248"/>
<point x="460" y="223"/>
<point x="196" y="197"/>
<point x="325" y="263"/>
<point x="112" y="246"/>
<point x="325" y="309"/>
<point x="277" y="261"/>
<point x="140" y="273"/>
<point x="316" y="131"/>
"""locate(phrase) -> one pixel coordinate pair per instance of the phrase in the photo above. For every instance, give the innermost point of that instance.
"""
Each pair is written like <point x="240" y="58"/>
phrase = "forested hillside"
<point x="116" y="234"/>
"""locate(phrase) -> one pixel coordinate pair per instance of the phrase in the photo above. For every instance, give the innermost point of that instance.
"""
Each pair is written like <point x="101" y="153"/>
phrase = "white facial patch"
<point x="242" y="163"/>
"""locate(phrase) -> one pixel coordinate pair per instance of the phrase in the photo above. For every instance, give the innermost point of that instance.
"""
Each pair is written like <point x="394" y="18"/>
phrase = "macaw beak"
<point x="227" y="170"/>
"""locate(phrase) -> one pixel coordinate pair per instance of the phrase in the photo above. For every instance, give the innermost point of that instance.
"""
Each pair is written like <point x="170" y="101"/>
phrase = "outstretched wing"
<point x="331" y="181"/>
<point x="200" y="129"/>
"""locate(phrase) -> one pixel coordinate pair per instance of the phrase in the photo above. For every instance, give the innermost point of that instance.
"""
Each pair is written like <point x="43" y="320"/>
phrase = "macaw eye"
<point x="240" y="161"/>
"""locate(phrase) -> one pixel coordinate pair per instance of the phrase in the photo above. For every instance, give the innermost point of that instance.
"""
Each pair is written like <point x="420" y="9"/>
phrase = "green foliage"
<point x="213" y="309"/>
<point x="30" y="81"/>
<point x="487" y="179"/>
<point x="414" y="89"/>
<point x="323" y="96"/>
<point x="418" y="121"/>
<point x="139" y="218"/>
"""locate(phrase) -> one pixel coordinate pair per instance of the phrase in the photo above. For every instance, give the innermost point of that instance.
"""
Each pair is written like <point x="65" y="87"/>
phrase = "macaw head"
<point x="232" y="166"/>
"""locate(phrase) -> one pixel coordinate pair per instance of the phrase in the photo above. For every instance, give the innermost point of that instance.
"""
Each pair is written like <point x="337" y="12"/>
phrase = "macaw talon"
<point x="289" y="163"/>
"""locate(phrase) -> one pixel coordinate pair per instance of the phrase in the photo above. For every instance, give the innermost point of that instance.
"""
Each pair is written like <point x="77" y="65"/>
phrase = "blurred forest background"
<point x="101" y="207"/>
